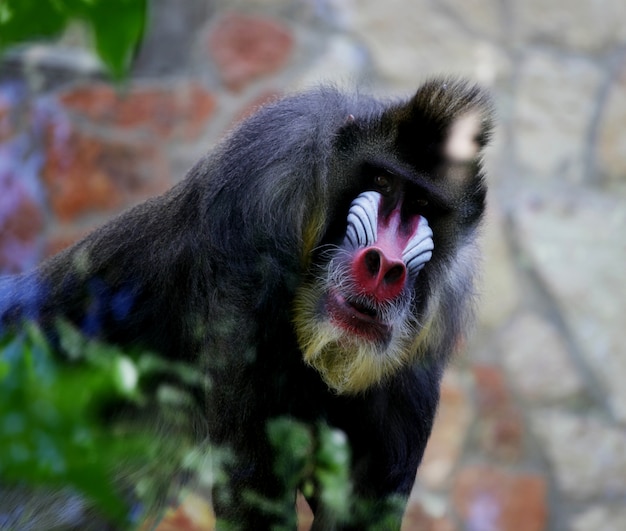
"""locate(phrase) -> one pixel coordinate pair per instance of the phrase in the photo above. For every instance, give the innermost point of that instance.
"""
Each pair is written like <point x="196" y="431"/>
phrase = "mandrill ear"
<point x="461" y="143"/>
<point x="446" y="121"/>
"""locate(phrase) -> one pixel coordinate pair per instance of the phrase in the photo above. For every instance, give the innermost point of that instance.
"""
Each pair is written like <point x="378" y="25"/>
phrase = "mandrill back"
<point x="318" y="265"/>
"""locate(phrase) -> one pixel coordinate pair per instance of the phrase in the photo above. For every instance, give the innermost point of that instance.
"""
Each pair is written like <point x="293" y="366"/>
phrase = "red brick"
<point x="502" y="436"/>
<point x="491" y="499"/>
<point x="25" y="222"/>
<point x="194" y="514"/>
<point x="95" y="101"/>
<point x="491" y="390"/>
<point x="6" y="128"/>
<point x="183" y="110"/>
<point x="21" y="223"/>
<point x="500" y="424"/>
<point x="449" y="431"/>
<point x="195" y="107"/>
<point x="86" y="174"/>
<point x="247" y="47"/>
<point x="417" y="519"/>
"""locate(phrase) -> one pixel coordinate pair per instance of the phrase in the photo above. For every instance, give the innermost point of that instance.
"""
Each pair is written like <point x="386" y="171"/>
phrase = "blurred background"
<point x="531" y="433"/>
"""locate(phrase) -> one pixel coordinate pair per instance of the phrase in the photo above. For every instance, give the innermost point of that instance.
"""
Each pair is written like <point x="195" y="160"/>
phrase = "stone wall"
<point x="532" y="427"/>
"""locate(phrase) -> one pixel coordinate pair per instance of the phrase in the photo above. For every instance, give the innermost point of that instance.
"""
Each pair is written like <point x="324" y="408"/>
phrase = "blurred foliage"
<point x="52" y="430"/>
<point x="313" y="459"/>
<point x="55" y="434"/>
<point x="117" y="26"/>
<point x="317" y="460"/>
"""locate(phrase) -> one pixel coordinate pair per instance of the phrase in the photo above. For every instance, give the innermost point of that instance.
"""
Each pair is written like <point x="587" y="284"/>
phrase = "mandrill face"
<point x="357" y="321"/>
<point x="376" y="299"/>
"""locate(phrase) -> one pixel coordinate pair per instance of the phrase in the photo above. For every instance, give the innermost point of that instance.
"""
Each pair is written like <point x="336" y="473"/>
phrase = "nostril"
<point x="372" y="262"/>
<point x="378" y="274"/>
<point x="395" y="274"/>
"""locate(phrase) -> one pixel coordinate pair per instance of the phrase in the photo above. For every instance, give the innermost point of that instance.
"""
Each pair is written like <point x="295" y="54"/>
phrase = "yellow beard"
<point x="347" y="363"/>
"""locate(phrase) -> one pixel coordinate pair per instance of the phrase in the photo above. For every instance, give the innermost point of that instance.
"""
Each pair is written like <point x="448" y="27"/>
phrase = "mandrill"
<point x="317" y="265"/>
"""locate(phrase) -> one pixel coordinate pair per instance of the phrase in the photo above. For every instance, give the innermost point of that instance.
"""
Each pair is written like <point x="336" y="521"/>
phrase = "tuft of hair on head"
<point x="461" y="144"/>
<point x="456" y="114"/>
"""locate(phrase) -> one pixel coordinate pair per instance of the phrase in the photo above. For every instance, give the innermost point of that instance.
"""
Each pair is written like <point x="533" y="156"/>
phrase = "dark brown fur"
<point x="216" y="272"/>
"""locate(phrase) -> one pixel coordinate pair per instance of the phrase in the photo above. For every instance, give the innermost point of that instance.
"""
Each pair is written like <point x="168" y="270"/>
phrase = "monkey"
<point x="318" y="264"/>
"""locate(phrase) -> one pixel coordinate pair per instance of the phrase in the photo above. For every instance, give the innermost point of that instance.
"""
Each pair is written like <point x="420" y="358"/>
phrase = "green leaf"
<point x="118" y="27"/>
<point x="23" y="20"/>
<point x="332" y="471"/>
<point x="50" y="432"/>
<point x="293" y="445"/>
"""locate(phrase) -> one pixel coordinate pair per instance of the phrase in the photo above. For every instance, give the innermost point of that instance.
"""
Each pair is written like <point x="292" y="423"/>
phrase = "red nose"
<point x="377" y="274"/>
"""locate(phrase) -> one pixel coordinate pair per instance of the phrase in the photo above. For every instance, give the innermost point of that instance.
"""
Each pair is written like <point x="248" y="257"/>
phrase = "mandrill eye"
<point x="418" y="205"/>
<point x="383" y="184"/>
